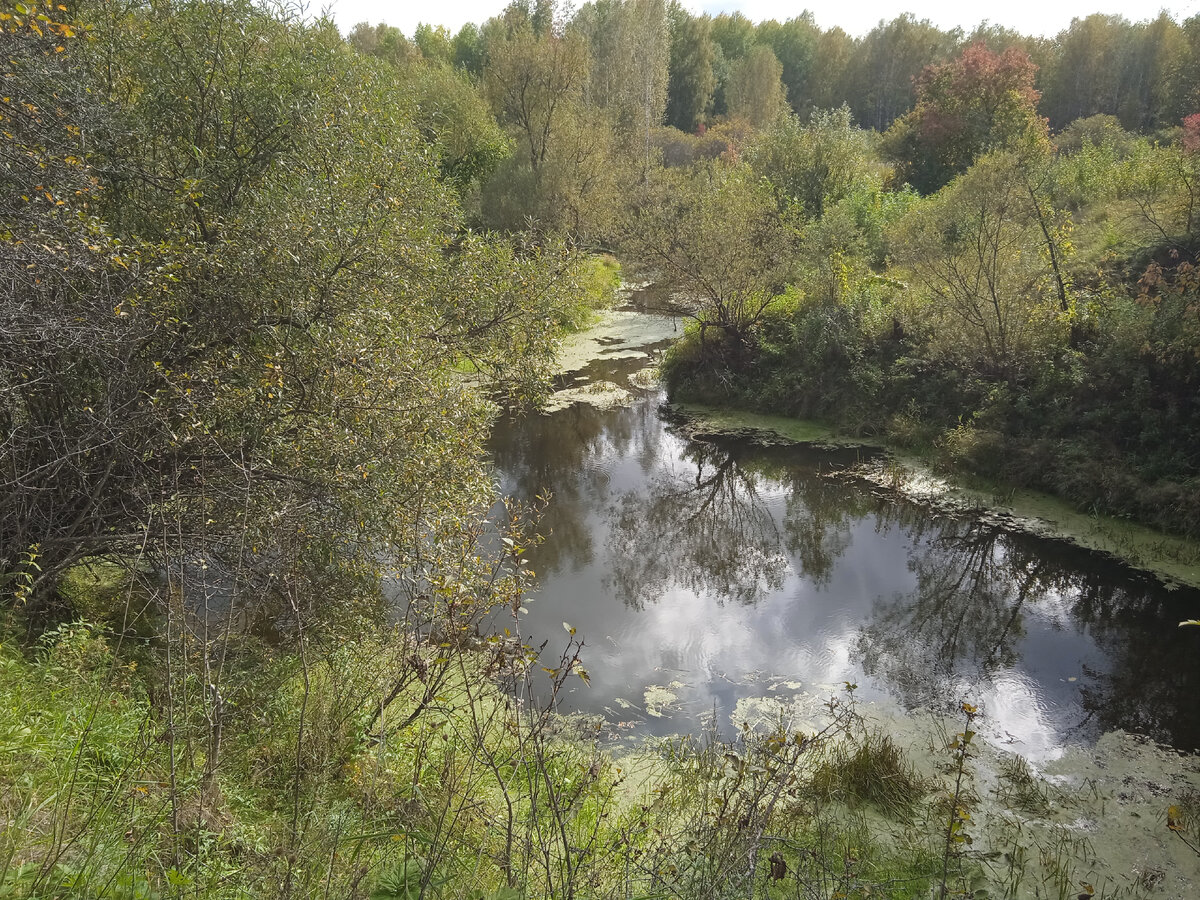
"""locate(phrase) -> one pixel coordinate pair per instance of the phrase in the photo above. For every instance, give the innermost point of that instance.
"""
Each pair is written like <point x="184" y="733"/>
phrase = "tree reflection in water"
<point x="566" y="455"/>
<point x="966" y="621"/>
<point x="962" y="621"/>
<point x="1153" y="678"/>
<point x="731" y="526"/>
<point x="711" y="533"/>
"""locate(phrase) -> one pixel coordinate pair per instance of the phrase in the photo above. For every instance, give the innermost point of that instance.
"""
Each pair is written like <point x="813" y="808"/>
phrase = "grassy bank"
<point x="470" y="792"/>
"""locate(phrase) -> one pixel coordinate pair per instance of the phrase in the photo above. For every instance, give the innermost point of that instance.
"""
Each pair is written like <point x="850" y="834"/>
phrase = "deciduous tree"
<point x="239" y="324"/>
<point x="981" y="252"/>
<point x="534" y="82"/>
<point x="692" y="80"/>
<point x="978" y="102"/>
<point x="755" y="91"/>
<point x="813" y="165"/>
<point x="718" y="233"/>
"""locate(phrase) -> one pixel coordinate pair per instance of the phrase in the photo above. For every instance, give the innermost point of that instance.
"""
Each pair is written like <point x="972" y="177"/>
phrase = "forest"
<point x="267" y="287"/>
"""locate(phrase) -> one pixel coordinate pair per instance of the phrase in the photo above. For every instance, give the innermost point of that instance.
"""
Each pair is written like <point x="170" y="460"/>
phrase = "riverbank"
<point x="1171" y="559"/>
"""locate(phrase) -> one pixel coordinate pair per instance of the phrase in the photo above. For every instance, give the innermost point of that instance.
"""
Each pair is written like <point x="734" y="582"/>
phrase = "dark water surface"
<point x="703" y="573"/>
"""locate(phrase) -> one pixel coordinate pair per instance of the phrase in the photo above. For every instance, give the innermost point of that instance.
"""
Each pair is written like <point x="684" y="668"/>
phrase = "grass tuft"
<point x="871" y="769"/>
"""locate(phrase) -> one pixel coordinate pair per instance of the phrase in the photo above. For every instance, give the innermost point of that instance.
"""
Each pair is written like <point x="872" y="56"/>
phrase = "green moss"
<point x="706" y="419"/>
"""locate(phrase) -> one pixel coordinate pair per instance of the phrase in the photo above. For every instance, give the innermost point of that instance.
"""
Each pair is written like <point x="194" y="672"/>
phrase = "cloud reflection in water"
<point x="740" y="571"/>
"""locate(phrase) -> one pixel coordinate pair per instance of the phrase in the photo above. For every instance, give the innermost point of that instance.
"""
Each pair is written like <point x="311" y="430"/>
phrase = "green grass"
<point x="598" y="278"/>
<point x="871" y="769"/>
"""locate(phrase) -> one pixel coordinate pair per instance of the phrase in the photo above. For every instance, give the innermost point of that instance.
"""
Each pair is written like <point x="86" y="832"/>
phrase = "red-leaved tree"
<point x="978" y="102"/>
<point x="1191" y="133"/>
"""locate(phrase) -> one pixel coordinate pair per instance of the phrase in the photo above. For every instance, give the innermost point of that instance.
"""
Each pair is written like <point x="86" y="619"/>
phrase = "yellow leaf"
<point x="1174" y="818"/>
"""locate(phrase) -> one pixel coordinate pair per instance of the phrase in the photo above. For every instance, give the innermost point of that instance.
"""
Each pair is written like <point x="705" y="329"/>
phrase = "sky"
<point x="1027" y="16"/>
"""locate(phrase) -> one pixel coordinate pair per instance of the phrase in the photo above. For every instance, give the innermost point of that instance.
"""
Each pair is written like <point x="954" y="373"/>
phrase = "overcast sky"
<point x="1028" y="16"/>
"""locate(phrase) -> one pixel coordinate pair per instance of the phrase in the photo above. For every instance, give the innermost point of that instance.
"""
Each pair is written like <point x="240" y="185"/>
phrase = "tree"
<point x="629" y="44"/>
<point x="1184" y="82"/>
<point x="717" y="232"/>
<point x="1099" y="68"/>
<point x="63" y="397"/>
<point x="885" y="64"/>
<point x="692" y="80"/>
<point x="733" y="38"/>
<point x="533" y="82"/>
<point x="1190" y="138"/>
<point x="978" y="102"/>
<point x="649" y="59"/>
<point x="734" y="34"/>
<point x="832" y="59"/>
<point x="985" y="254"/>
<point x="450" y="113"/>
<point x="755" y="92"/>
<point x="434" y="42"/>
<point x="457" y="121"/>
<point x="383" y="42"/>
<point x="234" y="331"/>
<point x="813" y="165"/>
<point x="1164" y="184"/>
<point x="1158" y="52"/>
<point x="469" y="49"/>
<point x="564" y="172"/>
<point x="794" y="44"/>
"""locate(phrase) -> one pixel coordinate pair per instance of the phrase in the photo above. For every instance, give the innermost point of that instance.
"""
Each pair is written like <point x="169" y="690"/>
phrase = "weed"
<point x="959" y="817"/>
<point x="870" y="769"/>
<point x="1020" y="788"/>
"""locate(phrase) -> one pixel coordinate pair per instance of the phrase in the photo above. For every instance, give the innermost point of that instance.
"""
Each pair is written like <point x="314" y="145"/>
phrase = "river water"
<point x="713" y="580"/>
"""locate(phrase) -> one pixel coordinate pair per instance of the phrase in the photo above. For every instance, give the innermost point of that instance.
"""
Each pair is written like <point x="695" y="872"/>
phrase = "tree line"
<point x="1144" y="73"/>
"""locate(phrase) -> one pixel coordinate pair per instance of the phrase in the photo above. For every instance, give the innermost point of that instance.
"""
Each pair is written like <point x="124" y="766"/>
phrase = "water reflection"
<point x="1151" y="676"/>
<point x="1059" y="642"/>
<point x="701" y="573"/>
<point x="965" y="611"/>
<point x="705" y="527"/>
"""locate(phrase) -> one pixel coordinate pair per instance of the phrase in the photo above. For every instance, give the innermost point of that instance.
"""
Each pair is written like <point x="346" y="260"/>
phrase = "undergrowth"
<point x="461" y="785"/>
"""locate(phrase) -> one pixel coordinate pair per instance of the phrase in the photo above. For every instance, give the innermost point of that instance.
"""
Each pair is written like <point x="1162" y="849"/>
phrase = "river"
<point x="714" y="581"/>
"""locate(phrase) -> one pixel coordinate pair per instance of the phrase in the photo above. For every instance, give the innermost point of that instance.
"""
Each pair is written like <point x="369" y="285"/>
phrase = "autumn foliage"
<point x="1191" y="133"/>
<point x="978" y="102"/>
